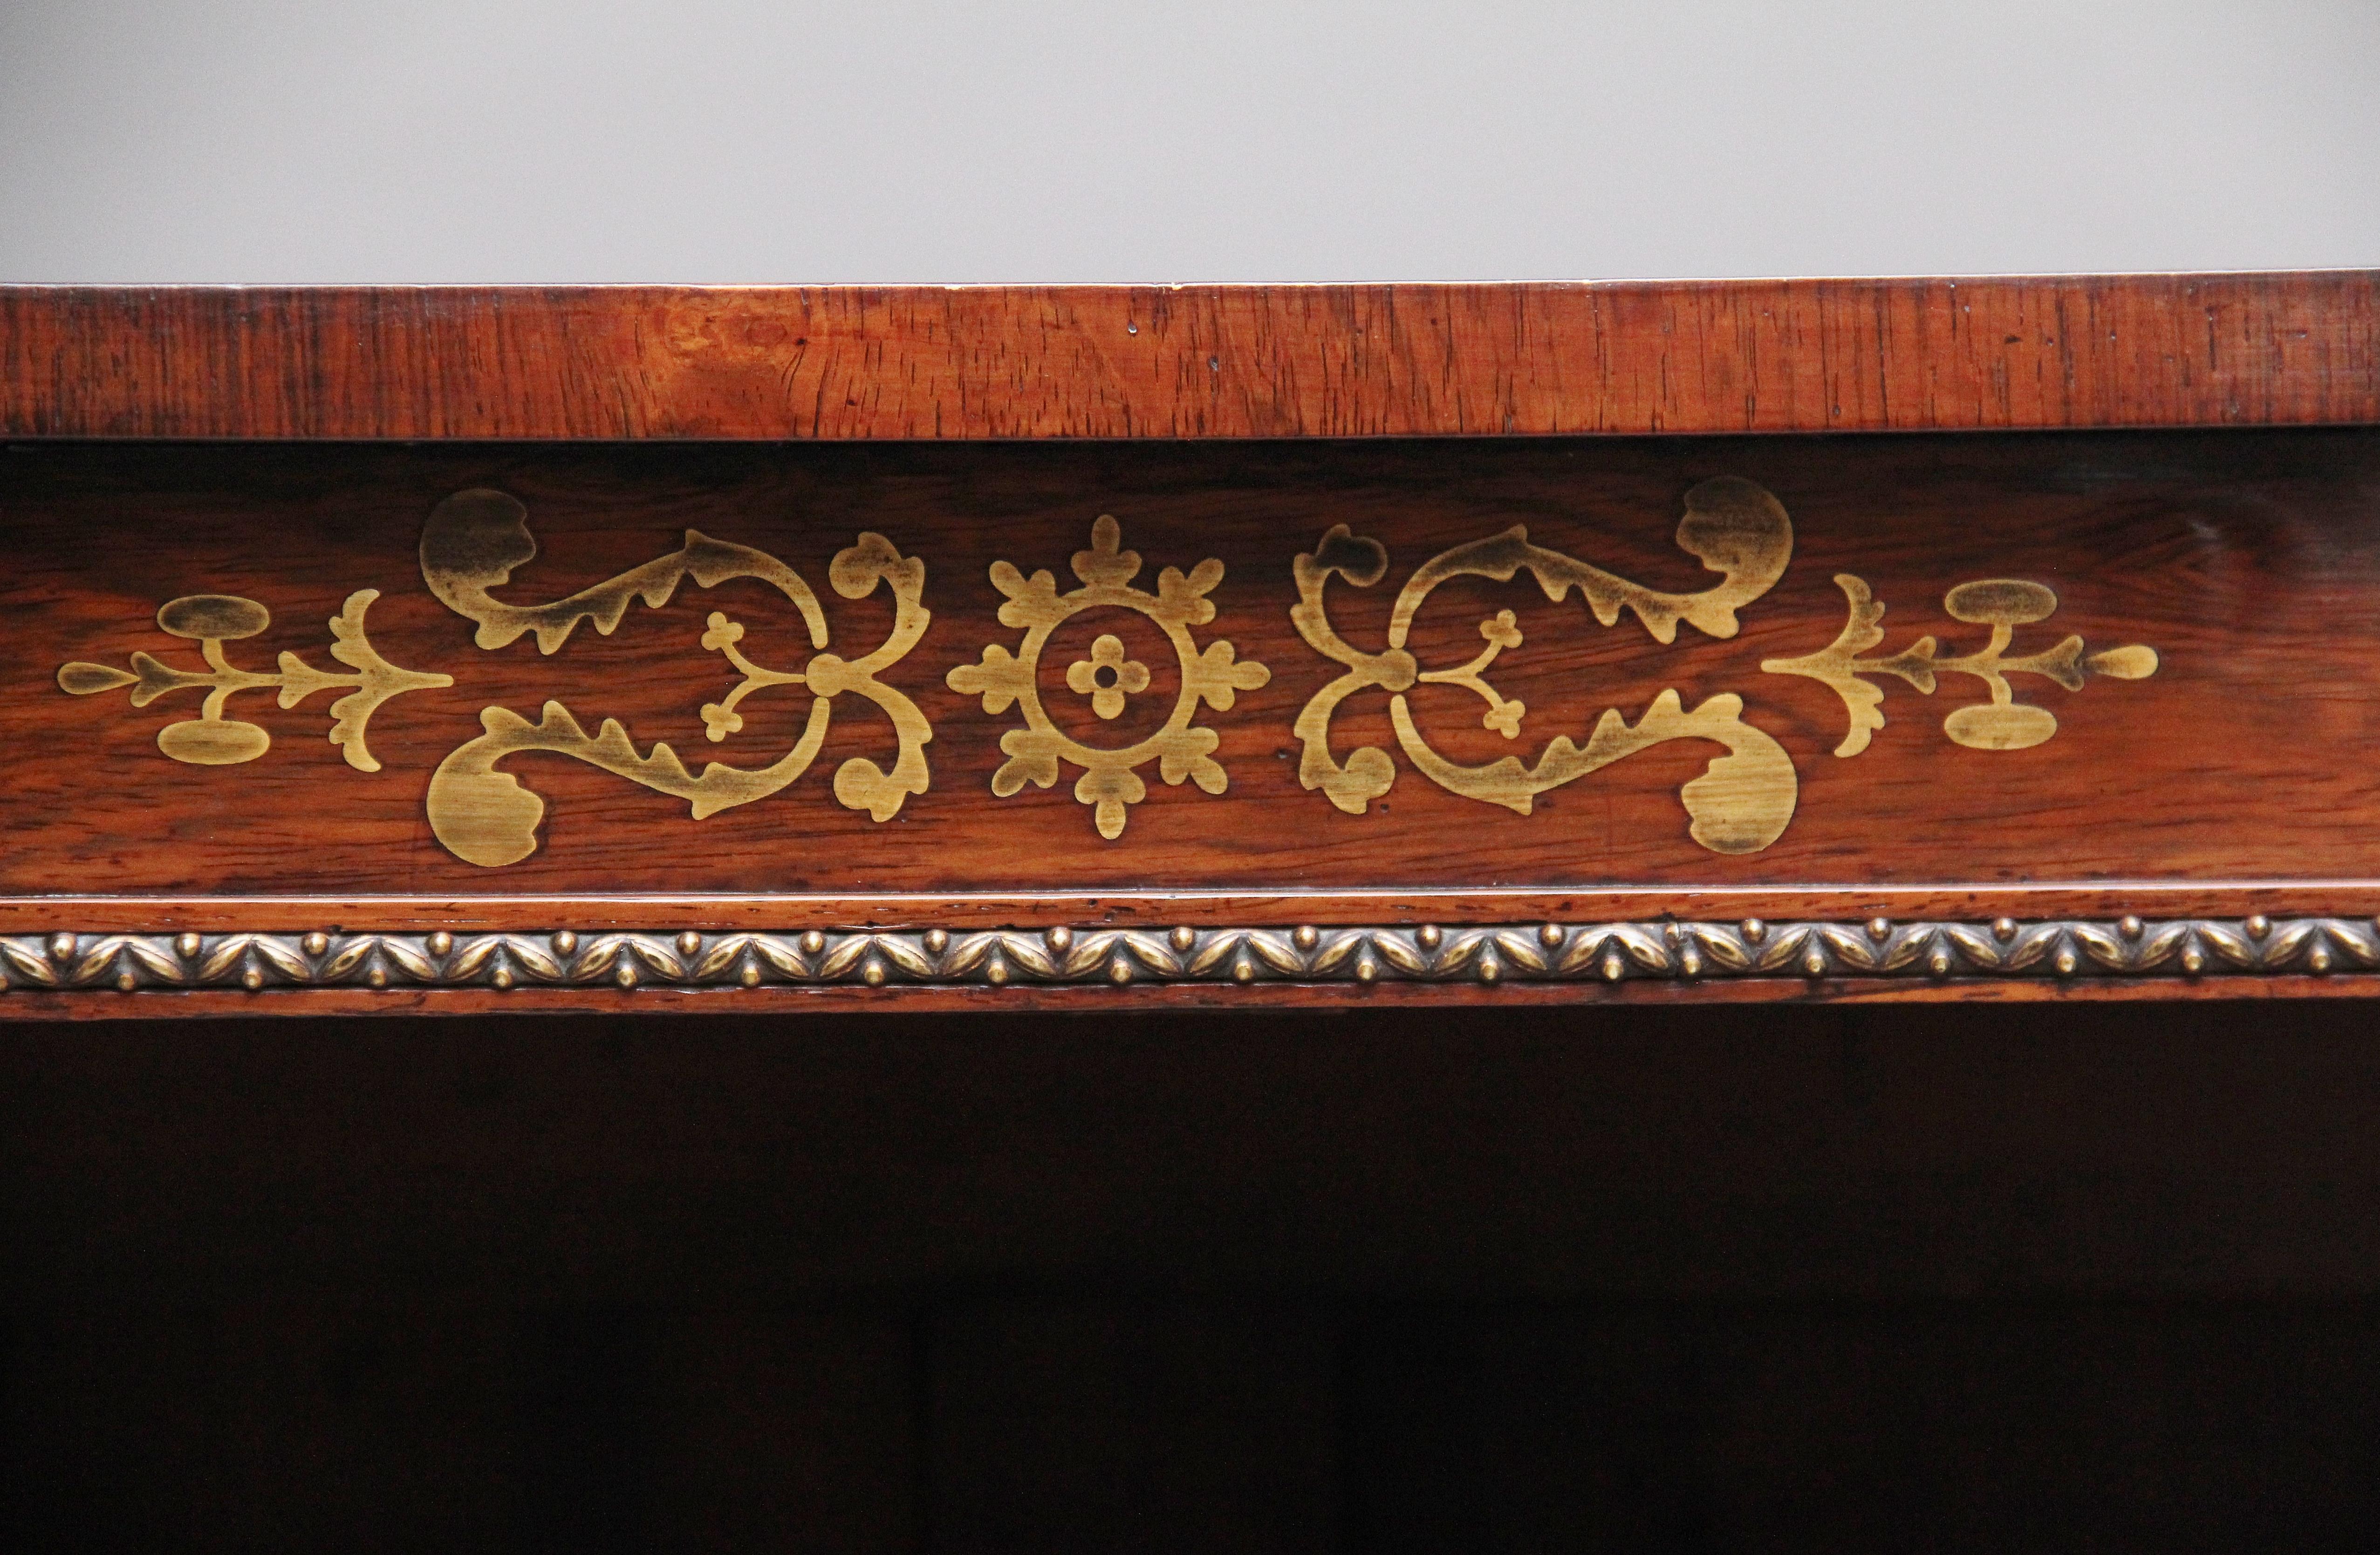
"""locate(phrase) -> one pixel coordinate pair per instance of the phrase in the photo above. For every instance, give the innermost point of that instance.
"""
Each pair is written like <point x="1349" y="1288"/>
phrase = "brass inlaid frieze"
<point x="1182" y="749"/>
<point x="1740" y="804"/>
<point x="472" y="544"/>
<point x="212" y="740"/>
<point x="480" y="809"/>
<point x="2003" y="724"/>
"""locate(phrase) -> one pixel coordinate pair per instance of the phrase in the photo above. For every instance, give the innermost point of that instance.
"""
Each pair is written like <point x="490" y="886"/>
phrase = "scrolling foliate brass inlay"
<point x="2003" y="724"/>
<point x="212" y="740"/>
<point x="473" y="541"/>
<point x="1110" y="782"/>
<point x="1743" y="801"/>
<point x="1740" y="804"/>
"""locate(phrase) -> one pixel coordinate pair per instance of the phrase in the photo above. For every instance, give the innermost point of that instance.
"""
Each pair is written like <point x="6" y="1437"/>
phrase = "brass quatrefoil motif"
<point x="1740" y="804"/>
<point x="471" y="545"/>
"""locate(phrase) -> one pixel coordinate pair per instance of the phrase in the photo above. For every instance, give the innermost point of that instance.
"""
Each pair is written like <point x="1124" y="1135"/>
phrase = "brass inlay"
<point x="1107" y="677"/>
<point x="1740" y="804"/>
<point x="2003" y="724"/>
<point x="212" y="740"/>
<point x="473" y="541"/>
<point x="1109" y="782"/>
<point x="1743" y="800"/>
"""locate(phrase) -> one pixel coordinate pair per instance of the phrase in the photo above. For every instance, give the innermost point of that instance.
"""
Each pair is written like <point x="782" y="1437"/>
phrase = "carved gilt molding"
<point x="1549" y="952"/>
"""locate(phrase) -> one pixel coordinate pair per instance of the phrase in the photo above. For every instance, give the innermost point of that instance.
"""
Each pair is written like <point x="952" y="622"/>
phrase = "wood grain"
<point x="760" y="910"/>
<point x="841" y="363"/>
<point x="1646" y="1149"/>
<point x="2250" y="561"/>
<point x="583" y="1284"/>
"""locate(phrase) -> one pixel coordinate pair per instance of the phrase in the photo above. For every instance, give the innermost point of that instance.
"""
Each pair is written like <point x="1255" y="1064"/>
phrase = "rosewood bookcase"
<point x="1402" y="731"/>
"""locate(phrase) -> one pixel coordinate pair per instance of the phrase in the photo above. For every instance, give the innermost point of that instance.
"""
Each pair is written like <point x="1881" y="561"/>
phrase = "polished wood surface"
<point x="1075" y="1262"/>
<point x="2072" y="693"/>
<point x="919" y="362"/>
<point x="1487" y="1279"/>
<point x="2246" y="560"/>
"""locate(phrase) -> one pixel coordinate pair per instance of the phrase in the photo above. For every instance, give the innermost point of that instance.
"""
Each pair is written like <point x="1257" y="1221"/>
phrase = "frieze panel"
<point x="1097" y="681"/>
<point x="1745" y="799"/>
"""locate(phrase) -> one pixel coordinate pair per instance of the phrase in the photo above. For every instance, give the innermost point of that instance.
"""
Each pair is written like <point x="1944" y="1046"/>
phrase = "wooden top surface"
<point x="923" y="362"/>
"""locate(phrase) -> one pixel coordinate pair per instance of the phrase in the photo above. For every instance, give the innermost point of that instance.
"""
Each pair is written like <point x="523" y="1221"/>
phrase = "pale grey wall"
<point x="877" y="140"/>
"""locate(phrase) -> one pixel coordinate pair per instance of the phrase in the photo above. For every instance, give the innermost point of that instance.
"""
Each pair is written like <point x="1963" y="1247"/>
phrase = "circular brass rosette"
<point x="1184" y="751"/>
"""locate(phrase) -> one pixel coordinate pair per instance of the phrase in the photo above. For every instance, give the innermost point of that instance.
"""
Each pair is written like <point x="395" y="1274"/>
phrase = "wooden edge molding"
<point x="1372" y="360"/>
<point x="1518" y="955"/>
<point x="1031" y="912"/>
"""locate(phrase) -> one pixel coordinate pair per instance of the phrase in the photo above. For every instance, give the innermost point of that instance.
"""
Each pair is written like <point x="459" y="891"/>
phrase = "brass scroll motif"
<point x="473" y="541"/>
<point x="1740" y="804"/>
<point x="2003" y="724"/>
<point x="1214" y="675"/>
<point x="212" y="740"/>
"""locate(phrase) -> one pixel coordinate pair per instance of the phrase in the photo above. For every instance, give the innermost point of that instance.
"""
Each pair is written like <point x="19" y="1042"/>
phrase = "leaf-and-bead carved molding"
<point x="1670" y="951"/>
<point x="471" y="545"/>
<point x="482" y="810"/>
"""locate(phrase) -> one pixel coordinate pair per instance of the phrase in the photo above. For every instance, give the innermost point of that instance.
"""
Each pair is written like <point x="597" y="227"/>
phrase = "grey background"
<point x="739" y="140"/>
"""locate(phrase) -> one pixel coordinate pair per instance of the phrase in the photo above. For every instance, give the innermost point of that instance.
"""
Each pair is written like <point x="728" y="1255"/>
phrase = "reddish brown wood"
<point x="960" y="911"/>
<point x="2223" y="785"/>
<point x="2218" y="789"/>
<point x="1520" y="1155"/>
<point x="1196" y="361"/>
<point x="763" y="1284"/>
<point x="1646" y="1149"/>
